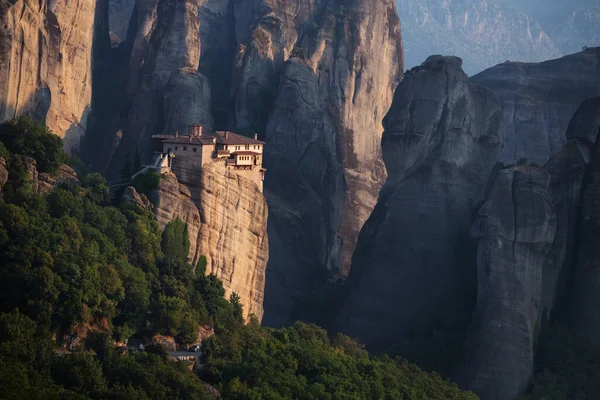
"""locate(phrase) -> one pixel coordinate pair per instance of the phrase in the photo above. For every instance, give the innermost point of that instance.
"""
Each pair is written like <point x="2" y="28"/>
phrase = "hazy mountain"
<point x="571" y="25"/>
<point x="482" y="32"/>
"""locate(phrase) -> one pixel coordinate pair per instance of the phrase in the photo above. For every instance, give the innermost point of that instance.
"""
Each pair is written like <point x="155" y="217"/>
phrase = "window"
<point x="247" y="147"/>
<point x="184" y="148"/>
<point x="195" y="149"/>
<point x="168" y="150"/>
<point x="176" y="148"/>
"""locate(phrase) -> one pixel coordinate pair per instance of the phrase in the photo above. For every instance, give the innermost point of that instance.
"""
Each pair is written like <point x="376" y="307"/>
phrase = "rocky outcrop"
<point x="515" y="229"/>
<point x="482" y="32"/>
<point x="441" y="141"/>
<point x="132" y="198"/>
<point x="586" y="285"/>
<point x="45" y="63"/>
<point x="539" y="101"/>
<point x="226" y="216"/>
<point x="44" y="183"/>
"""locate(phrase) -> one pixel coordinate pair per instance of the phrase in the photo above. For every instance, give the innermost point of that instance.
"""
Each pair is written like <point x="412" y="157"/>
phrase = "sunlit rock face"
<point x="226" y="216"/>
<point x="45" y="63"/>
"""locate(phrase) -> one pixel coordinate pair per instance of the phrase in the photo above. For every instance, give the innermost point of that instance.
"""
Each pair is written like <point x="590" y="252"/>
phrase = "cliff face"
<point x="45" y="63"/>
<point x="586" y="284"/>
<point x="442" y="138"/>
<point x="231" y="64"/>
<point x="482" y="32"/>
<point x="539" y="101"/>
<point x="226" y="216"/>
<point x="537" y="248"/>
<point x="323" y="153"/>
<point x="514" y="228"/>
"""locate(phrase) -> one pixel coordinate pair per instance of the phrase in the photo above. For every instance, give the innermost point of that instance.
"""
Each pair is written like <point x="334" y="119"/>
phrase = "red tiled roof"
<point x="228" y="138"/>
<point x="202" y="140"/>
<point x="232" y="138"/>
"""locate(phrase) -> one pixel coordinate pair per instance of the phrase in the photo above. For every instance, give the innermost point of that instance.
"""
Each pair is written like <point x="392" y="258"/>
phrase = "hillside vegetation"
<point x="74" y="262"/>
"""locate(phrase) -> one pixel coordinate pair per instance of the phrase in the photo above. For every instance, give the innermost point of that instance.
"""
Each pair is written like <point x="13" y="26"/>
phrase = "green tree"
<point x="97" y="188"/>
<point x="29" y="138"/>
<point x="175" y="245"/>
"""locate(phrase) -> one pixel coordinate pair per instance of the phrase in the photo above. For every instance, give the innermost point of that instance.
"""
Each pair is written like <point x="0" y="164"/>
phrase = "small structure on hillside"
<point x="199" y="148"/>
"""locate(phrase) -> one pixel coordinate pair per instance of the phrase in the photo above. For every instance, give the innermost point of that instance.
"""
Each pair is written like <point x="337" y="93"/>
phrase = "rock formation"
<point x="586" y="286"/>
<point x="44" y="183"/>
<point x="45" y="63"/>
<point x="534" y="227"/>
<point x="515" y="229"/>
<point x="568" y="170"/>
<point x="226" y="216"/>
<point x="441" y="141"/>
<point x="170" y="93"/>
<point x="119" y="15"/>
<point x="323" y="151"/>
<point x="133" y="198"/>
<point x="224" y="64"/>
<point x="539" y="101"/>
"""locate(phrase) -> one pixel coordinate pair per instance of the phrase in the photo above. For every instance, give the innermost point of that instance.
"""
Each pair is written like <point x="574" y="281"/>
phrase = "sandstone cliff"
<point x="539" y="101"/>
<point x="45" y="63"/>
<point x="515" y="229"/>
<point x="226" y="216"/>
<point x="413" y="260"/>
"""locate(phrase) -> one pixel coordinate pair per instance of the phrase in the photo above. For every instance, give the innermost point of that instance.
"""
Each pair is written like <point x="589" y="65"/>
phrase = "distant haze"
<point x="488" y="32"/>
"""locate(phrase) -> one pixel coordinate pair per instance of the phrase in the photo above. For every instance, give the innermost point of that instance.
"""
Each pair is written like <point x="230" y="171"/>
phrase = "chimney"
<point x="176" y="133"/>
<point x="214" y="140"/>
<point x="195" y="130"/>
<point x="256" y="136"/>
<point x="226" y="135"/>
